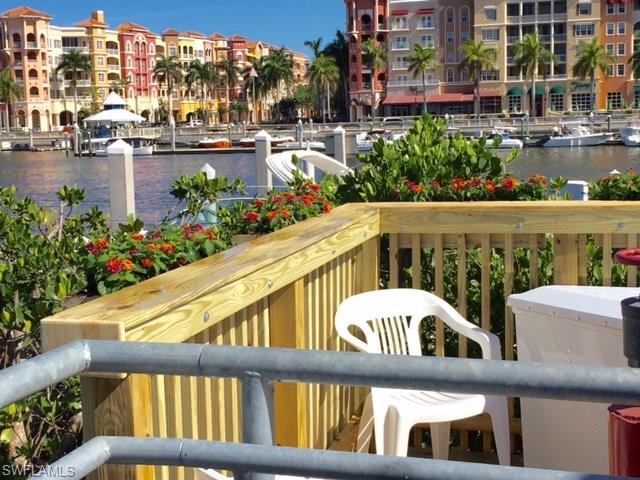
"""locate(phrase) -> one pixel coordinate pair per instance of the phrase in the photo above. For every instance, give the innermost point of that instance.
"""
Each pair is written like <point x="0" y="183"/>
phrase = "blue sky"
<point x="283" y="22"/>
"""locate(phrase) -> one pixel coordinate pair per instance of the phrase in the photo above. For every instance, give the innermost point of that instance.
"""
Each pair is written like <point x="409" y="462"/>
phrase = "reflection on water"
<point x="40" y="175"/>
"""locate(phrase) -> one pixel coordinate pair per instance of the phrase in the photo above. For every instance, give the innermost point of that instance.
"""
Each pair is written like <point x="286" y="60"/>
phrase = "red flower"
<point x="137" y="237"/>
<point x="156" y="235"/>
<point x="459" y="184"/>
<point x="289" y="196"/>
<point x="114" y="265"/>
<point x="490" y="186"/>
<point x="475" y="183"/>
<point x="258" y="202"/>
<point x="509" y="183"/>
<point x="210" y="234"/>
<point x="540" y="180"/>
<point x="251" y="217"/>
<point x="102" y="244"/>
<point x="415" y="187"/>
<point x="134" y="252"/>
<point x="327" y="208"/>
<point x="96" y="248"/>
<point x="271" y="215"/>
<point x="435" y="184"/>
<point x="147" y="263"/>
<point x="315" y="187"/>
<point x="278" y="199"/>
<point x="307" y="199"/>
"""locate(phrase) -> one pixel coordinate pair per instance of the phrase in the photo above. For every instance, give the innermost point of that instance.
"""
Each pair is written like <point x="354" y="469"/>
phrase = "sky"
<point x="282" y="22"/>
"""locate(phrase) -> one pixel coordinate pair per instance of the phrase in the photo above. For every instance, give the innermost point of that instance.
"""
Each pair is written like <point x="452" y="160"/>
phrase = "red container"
<point x="624" y="440"/>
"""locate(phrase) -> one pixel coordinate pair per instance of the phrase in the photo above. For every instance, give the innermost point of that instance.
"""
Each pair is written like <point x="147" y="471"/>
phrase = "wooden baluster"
<point x="485" y="307"/>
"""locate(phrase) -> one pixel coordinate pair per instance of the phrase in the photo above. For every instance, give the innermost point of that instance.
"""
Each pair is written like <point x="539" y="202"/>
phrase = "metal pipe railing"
<point x="257" y="367"/>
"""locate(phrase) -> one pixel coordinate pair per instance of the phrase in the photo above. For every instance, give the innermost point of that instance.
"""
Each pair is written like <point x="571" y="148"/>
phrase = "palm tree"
<point x="591" y="57"/>
<point x="119" y="86"/>
<point x="375" y="57"/>
<point x="530" y="54"/>
<point x="231" y="72"/>
<point x="9" y="91"/>
<point x="202" y="74"/>
<point x="477" y="59"/>
<point x="325" y="71"/>
<point x="74" y="64"/>
<point x="279" y="67"/>
<point x="423" y="59"/>
<point x="168" y="70"/>
<point x="314" y="45"/>
<point x="339" y="50"/>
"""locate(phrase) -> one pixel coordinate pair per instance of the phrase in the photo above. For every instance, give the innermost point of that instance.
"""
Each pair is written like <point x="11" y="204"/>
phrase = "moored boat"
<point x="505" y="140"/>
<point x="247" y="142"/>
<point x="217" y="142"/>
<point x="141" y="145"/>
<point x="575" y="136"/>
<point x="630" y="135"/>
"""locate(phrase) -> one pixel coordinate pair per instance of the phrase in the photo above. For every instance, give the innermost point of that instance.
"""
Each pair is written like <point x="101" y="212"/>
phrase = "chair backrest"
<point x="282" y="166"/>
<point x="390" y="321"/>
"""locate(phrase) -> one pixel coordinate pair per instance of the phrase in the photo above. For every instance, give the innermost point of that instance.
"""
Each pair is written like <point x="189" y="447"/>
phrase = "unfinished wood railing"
<point x="283" y="290"/>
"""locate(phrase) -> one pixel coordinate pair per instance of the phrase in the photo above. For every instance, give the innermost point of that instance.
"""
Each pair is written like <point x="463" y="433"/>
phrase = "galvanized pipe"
<point x="257" y="415"/>
<point x="38" y="373"/>
<point x="313" y="463"/>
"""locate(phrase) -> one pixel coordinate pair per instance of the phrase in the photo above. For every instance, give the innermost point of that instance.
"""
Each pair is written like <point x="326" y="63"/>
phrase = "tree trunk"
<point x="593" y="93"/>
<point x="328" y="102"/>
<point x="373" y="94"/>
<point x="424" y="93"/>
<point x="533" y="91"/>
<point x="75" y="103"/>
<point x="477" y="99"/>
<point x="228" y="99"/>
<point x="6" y="116"/>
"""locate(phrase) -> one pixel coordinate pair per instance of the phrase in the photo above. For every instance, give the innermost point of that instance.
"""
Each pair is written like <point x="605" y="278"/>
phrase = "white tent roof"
<point x="115" y="116"/>
<point x="113" y="99"/>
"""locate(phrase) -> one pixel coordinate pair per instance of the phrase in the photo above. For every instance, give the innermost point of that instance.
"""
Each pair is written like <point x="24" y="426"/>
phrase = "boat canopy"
<point x="115" y="116"/>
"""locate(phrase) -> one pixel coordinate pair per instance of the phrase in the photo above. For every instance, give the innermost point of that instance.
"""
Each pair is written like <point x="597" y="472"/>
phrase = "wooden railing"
<point x="282" y="290"/>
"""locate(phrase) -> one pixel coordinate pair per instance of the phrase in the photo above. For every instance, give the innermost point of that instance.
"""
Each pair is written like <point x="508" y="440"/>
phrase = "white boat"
<point x="630" y="135"/>
<point x="278" y="140"/>
<point x="364" y="143"/>
<point x="141" y="145"/>
<point x="576" y="136"/>
<point x="506" y="141"/>
<point x="217" y="142"/>
<point x="305" y="144"/>
<point x="5" y="145"/>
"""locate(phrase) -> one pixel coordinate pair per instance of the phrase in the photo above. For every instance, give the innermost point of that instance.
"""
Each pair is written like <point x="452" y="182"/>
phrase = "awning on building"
<point x="424" y="11"/>
<point x="636" y="89"/>
<point x="402" y="100"/>
<point x="400" y="13"/>
<point x="557" y="89"/>
<point x="515" y="92"/>
<point x="450" y="98"/>
<point x="539" y="90"/>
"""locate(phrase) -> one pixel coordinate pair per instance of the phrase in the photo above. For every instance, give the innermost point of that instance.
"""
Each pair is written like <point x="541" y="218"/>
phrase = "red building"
<point x="137" y="60"/>
<point x="365" y="19"/>
<point x="239" y="53"/>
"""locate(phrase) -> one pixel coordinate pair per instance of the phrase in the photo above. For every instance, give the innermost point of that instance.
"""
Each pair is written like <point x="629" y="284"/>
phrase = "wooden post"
<point x="368" y="266"/>
<point x="264" y="179"/>
<point x="565" y="259"/>
<point x="340" y="145"/>
<point x="114" y="407"/>
<point x="121" y="185"/>
<point x="287" y="330"/>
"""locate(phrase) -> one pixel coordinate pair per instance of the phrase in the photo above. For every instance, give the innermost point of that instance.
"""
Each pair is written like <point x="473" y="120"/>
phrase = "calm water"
<point x="40" y="175"/>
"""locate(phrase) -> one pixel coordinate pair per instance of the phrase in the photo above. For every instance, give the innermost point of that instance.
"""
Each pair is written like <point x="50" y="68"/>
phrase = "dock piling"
<point x="264" y="179"/>
<point x="121" y="184"/>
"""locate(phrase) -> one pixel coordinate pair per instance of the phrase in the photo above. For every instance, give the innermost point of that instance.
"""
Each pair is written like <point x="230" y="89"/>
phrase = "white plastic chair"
<point x="390" y="321"/>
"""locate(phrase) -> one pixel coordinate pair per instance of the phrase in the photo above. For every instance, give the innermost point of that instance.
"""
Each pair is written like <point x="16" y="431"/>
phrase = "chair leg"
<point x="365" y="429"/>
<point x="397" y="434"/>
<point x="440" y="440"/>
<point x="497" y="409"/>
<point x="380" y="414"/>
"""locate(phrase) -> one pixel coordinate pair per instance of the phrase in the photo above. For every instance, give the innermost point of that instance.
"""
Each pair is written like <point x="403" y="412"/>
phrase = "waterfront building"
<point x="24" y="48"/>
<point x="366" y="19"/>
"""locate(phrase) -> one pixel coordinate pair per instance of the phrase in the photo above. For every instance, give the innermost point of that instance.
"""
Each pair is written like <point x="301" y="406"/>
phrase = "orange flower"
<point x="102" y="244"/>
<point x="490" y="186"/>
<point x="415" y="187"/>
<point x="127" y="265"/>
<point x="154" y="247"/>
<point x="315" y="187"/>
<point x="168" y="248"/>
<point x="540" y="180"/>
<point x="210" y="234"/>
<point x="271" y="215"/>
<point x="327" y="208"/>
<point x="258" y="202"/>
<point x="114" y="265"/>
<point x="137" y="237"/>
<point x="289" y="196"/>
<point x="147" y="263"/>
<point x="459" y="184"/>
<point x="307" y="199"/>
<point x="285" y="212"/>
<point x="251" y="216"/>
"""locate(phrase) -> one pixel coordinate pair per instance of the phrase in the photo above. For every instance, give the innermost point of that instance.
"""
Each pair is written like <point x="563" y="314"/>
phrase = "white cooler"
<point x="562" y="324"/>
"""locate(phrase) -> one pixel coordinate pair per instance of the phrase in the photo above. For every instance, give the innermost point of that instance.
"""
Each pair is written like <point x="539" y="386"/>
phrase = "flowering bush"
<point x="303" y="200"/>
<point x="130" y="256"/>
<point x="622" y="186"/>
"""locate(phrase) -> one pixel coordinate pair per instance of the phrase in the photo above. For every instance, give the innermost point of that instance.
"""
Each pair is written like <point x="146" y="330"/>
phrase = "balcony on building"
<point x="397" y="46"/>
<point x="68" y="49"/>
<point x="112" y="48"/>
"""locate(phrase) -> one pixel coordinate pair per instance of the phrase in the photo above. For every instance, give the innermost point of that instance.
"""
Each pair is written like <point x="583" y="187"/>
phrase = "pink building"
<point x="137" y="59"/>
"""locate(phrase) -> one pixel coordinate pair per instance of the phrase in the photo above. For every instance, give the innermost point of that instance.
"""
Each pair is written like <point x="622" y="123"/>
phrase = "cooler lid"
<point x="592" y="305"/>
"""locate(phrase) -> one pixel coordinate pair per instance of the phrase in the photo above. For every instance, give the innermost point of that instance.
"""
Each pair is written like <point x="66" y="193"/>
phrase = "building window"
<point x="490" y="13"/>
<point x="152" y="49"/>
<point x="99" y="45"/>
<point x="528" y="9"/>
<point x="464" y="76"/>
<point x="427" y="41"/>
<point x="464" y="36"/>
<point x="556" y="102"/>
<point x="426" y="21"/>
<point x="490" y="34"/>
<point x="101" y="77"/>
<point x="514" y="103"/>
<point x="636" y="99"/>
<point x="513" y="10"/>
<point x="622" y="8"/>
<point x="583" y="9"/>
<point x="172" y="51"/>
<point x="129" y="63"/>
<point x="489" y="75"/>
<point x="128" y="46"/>
<point x="400" y="43"/>
<point x="610" y="49"/>
<point x="620" y="69"/>
<point x="581" y="102"/>
<point x="100" y="61"/>
<point x="464" y="15"/>
<point x="622" y="28"/>
<point x="621" y="49"/>
<point x="449" y="15"/>
<point x="610" y="71"/>
<point x="450" y="75"/>
<point x="399" y="23"/>
<point x="614" y="101"/>
<point x="401" y="79"/>
<point x="611" y="9"/>
<point x="449" y="37"/>
<point x="583" y="30"/>
<point x="611" y="28"/>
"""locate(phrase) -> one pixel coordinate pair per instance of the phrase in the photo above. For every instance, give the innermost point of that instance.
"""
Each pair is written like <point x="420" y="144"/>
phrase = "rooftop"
<point x="25" y="12"/>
